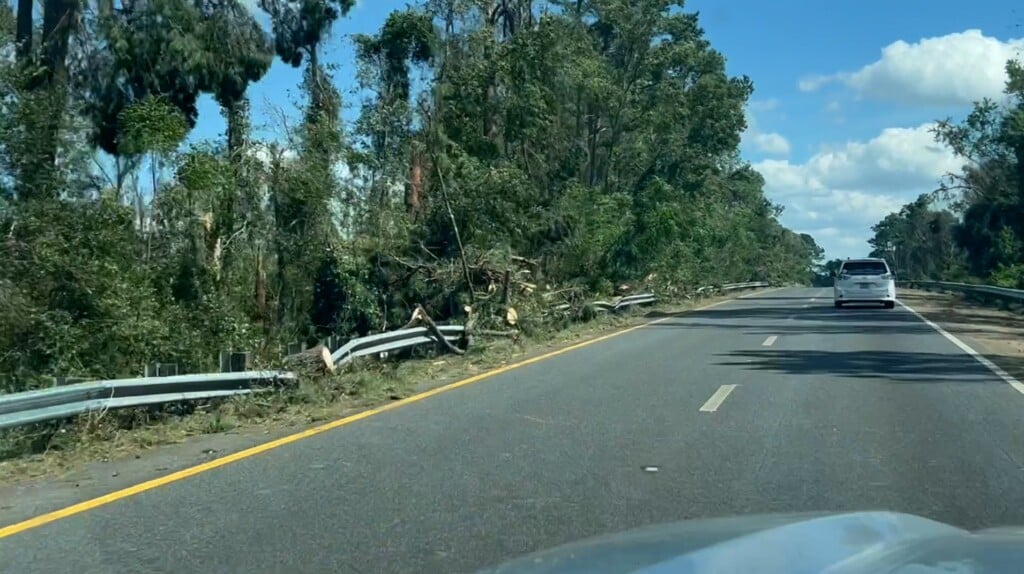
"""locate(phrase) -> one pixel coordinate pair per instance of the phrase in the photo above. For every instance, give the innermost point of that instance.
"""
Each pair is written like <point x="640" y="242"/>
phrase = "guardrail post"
<point x="235" y="361"/>
<point x="241" y="361"/>
<point x="161" y="369"/>
<point x="333" y="342"/>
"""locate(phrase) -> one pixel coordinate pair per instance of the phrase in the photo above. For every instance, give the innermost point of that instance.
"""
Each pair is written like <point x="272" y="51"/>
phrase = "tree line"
<point x="505" y="151"/>
<point x="972" y="227"/>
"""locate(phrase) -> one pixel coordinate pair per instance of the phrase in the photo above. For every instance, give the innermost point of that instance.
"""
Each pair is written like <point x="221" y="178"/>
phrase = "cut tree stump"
<point x="317" y="360"/>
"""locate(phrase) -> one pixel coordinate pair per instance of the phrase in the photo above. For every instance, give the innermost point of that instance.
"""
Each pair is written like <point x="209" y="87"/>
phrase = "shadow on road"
<point x="774" y="298"/>
<point x="817" y="319"/>
<point x="884" y="365"/>
<point x="799" y="328"/>
<point x="822" y="318"/>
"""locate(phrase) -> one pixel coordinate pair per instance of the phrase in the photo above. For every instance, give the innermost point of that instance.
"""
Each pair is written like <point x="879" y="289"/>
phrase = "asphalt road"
<point x="850" y="409"/>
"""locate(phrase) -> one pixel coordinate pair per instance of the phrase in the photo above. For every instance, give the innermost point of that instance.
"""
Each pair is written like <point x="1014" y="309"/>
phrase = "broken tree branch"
<point x="417" y="315"/>
<point x="432" y="327"/>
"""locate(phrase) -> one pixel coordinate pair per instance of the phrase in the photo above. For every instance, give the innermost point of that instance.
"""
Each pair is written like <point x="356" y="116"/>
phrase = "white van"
<point x="864" y="281"/>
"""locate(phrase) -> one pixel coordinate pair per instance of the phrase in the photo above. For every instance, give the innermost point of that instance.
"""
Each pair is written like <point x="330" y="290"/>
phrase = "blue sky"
<point x="844" y="95"/>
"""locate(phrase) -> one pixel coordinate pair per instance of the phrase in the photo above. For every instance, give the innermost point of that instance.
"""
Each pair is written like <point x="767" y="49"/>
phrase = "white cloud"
<point x="765" y="143"/>
<point x="843" y="190"/>
<point x="763" y="105"/>
<point x="813" y="83"/>
<point x="825" y="232"/>
<point x="956" y="69"/>
<point x="771" y="144"/>
<point x="265" y="152"/>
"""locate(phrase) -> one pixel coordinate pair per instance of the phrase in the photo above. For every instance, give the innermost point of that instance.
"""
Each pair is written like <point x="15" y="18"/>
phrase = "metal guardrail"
<point x="625" y="302"/>
<point x="647" y="298"/>
<point x="990" y="290"/>
<point x="616" y="305"/>
<point x="732" y="287"/>
<point x="65" y="401"/>
<point x="68" y="400"/>
<point x="393" y="341"/>
<point x="747" y="285"/>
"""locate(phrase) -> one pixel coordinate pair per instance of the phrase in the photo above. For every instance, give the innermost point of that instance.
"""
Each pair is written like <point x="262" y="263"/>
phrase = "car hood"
<point x="848" y="543"/>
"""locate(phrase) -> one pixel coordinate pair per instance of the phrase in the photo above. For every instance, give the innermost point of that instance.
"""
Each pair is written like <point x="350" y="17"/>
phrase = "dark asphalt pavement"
<point x="845" y="409"/>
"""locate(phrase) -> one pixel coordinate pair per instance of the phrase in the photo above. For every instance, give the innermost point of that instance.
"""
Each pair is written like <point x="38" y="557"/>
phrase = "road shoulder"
<point x="995" y="333"/>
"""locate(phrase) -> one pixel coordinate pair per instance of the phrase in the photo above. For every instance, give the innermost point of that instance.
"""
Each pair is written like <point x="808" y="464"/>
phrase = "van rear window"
<point x="865" y="268"/>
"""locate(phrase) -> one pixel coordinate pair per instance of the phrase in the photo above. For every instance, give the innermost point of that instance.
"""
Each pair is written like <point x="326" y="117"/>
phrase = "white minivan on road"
<point x="864" y="281"/>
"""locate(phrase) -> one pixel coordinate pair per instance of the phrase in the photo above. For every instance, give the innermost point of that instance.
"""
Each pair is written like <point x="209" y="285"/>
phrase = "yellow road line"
<point x="253" y="451"/>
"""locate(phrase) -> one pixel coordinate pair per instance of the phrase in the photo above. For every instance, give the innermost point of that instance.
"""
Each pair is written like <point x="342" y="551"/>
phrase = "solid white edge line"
<point x="717" y="399"/>
<point x="996" y="369"/>
<point x="769" y="341"/>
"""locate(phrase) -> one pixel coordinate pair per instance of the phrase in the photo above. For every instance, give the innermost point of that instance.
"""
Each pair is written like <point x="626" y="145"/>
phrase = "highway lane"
<point x="843" y="409"/>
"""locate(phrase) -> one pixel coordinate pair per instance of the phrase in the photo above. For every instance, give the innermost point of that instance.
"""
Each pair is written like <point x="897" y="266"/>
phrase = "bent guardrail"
<point x="393" y="341"/>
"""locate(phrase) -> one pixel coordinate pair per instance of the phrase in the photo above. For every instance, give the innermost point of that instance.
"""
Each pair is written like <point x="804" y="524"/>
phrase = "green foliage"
<point x="174" y="50"/>
<point x="343" y="298"/>
<point x="152" y="125"/>
<point x="91" y="309"/>
<point x="300" y="26"/>
<point x="1011" y="276"/>
<point x="983" y="235"/>
<point x="591" y="147"/>
<point x="919" y="241"/>
<point x="594" y="222"/>
<point x="406" y="36"/>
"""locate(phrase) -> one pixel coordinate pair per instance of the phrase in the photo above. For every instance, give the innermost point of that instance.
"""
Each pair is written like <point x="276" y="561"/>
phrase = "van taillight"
<point x="886" y="276"/>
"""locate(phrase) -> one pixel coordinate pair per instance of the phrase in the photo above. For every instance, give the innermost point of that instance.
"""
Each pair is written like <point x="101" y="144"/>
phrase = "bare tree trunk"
<point x="24" y="31"/>
<point x="260" y="290"/>
<point x="458" y="237"/>
<point x="414" y="188"/>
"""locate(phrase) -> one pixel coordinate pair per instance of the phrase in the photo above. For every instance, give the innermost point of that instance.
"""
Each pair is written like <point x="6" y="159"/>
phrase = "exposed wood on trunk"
<point x="262" y="314"/>
<point x="414" y="188"/>
<point x="317" y="360"/>
<point x="470" y="327"/>
<point x="417" y="315"/>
